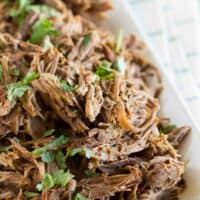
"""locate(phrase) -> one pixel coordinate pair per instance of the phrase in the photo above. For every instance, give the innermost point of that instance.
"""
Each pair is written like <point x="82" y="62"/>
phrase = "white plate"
<point x="171" y="104"/>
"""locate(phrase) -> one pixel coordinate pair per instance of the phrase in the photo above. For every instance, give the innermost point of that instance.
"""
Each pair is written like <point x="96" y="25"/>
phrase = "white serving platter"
<point x="172" y="106"/>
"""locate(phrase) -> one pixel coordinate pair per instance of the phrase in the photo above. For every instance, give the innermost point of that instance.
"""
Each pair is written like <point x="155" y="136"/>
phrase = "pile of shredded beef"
<point x="79" y="109"/>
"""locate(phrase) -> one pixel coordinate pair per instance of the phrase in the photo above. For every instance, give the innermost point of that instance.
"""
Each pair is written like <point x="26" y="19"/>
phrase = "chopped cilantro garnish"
<point x="58" y="178"/>
<point x="14" y="72"/>
<point x="25" y="7"/>
<point x="62" y="178"/>
<point x="87" y="152"/>
<point x="55" y="156"/>
<point x="65" y="86"/>
<point x="79" y="196"/>
<point x="47" y="44"/>
<point x="1" y="72"/>
<point x="43" y="10"/>
<point x="90" y="173"/>
<point x="61" y="160"/>
<point x="49" y="132"/>
<point x="86" y="39"/>
<point x="120" y="65"/>
<point x="60" y="141"/>
<point x="48" y="182"/>
<point x="42" y="28"/>
<point x="20" y="13"/>
<point x="104" y="71"/>
<point x="30" y="77"/>
<point x="30" y="195"/>
<point x="24" y="3"/>
<point x="18" y="89"/>
<point x="4" y="148"/>
<point x="166" y="128"/>
<point x="118" y="43"/>
<point x="48" y="156"/>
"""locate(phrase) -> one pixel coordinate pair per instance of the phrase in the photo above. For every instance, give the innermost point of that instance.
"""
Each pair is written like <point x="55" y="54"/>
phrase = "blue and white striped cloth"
<point x="173" y="28"/>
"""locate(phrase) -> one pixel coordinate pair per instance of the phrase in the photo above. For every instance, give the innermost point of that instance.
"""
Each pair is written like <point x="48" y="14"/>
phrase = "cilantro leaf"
<point x="79" y="196"/>
<point x="1" y="72"/>
<point x="47" y="44"/>
<point x="62" y="178"/>
<point x="48" y="156"/>
<point x="20" y="14"/>
<point x="104" y="71"/>
<point x="86" y="39"/>
<point x="24" y="3"/>
<point x="30" y="77"/>
<point x="48" y="182"/>
<point x="166" y="128"/>
<point x="30" y="195"/>
<point x="14" y="72"/>
<point x="49" y="132"/>
<point x="58" y="157"/>
<point x="58" y="142"/>
<point x="90" y="173"/>
<point x="42" y="28"/>
<point x="118" y="43"/>
<point x="44" y="10"/>
<point x="120" y="65"/>
<point x="4" y="148"/>
<point x="25" y="7"/>
<point x="88" y="152"/>
<point x="18" y="89"/>
<point x="61" y="160"/>
<point x="58" y="178"/>
<point x="67" y="87"/>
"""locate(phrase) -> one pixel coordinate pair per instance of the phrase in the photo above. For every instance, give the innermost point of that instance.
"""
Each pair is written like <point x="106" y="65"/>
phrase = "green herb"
<point x="1" y="72"/>
<point x="24" y="3"/>
<point x="58" y="178"/>
<point x="62" y="178"/>
<point x="49" y="132"/>
<point x="61" y="160"/>
<point x="48" y="156"/>
<point x="30" y="195"/>
<point x="120" y="65"/>
<point x="30" y="77"/>
<point x="25" y="7"/>
<point x="20" y="14"/>
<point x="47" y="44"/>
<point x="166" y="128"/>
<point x="48" y="182"/>
<point x="104" y="71"/>
<point x="18" y="140"/>
<point x="41" y="29"/>
<point x="4" y="149"/>
<point x="90" y="173"/>
<point x="118" y="43"/>
<point x="43" y="10"/>
<point x="79" y="196"/>
<point x="60" y="141"/>
<point x="15" y="72"/>
<point x="88" y="152"/>
<point x="86" y="39"/>
<point x="57" y="156"/>
<point x="67" y="87"/>
<point x="18" y="89"/>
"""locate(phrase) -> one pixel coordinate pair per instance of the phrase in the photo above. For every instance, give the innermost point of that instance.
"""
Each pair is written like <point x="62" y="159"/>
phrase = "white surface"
<point x="172" y="105"/>
<point x="173" y="28"/>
